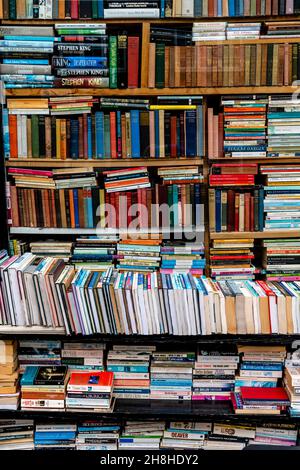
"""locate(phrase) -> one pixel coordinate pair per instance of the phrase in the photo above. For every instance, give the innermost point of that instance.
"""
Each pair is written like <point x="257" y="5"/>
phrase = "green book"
<point x="12" y="9"/>
<point x="113" y="71"/>
<point x="175" y="204"/>
<point x="160" y="66"/>
<point x="35" y="136"/>
<point x="95" y="9"/>
<point x="106" y="136"/>
<point x="170" y="204"/>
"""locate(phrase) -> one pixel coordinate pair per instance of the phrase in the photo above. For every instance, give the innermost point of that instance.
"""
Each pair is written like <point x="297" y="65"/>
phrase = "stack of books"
<point x="292" y="386"/>
<point x="282" y="196"/>
<point x="91" y="390"/>
<point x="182" y="258"/>
<point x="25" y="56"/>
<point x="43" y="388"/>
<point x="130" y="366"/>
<point x="97" y="435"/>
<point x="98" y="253"/>
<point x="281" y="259"/>
<point x="231" y="259"/>
<point x="39" y="352"/>
<point x="282" y="29"/>
<point x="214" y="375"/>
<point x="283" y="124"/>
<point x="9" y="375"/>
<point x="244" y="126"/>
<point x="229" y="436"/>
<point x="273" y="434"/>
<point x="83" y="356"/>
<point x="81" y="57"/>
<point x="126" y="179"/>
<point x="141" y="255"/>
<point x="261" y="366"/>
<point x="53" y="248"/>
<point x="135" y="9"/>
<point x="55" y="436"/>
<point x="16" y="434"/>
<point x="171" y="375"/>
<point x="141" y="435"/>
<point x="215" y="31"/>
<point x="243" y="30"/>
<point x="260" y="400"/>
<point x="183" y="438"/>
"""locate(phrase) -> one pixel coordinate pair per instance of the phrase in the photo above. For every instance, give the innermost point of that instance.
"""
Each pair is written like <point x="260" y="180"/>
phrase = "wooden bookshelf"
<point x="101" y="163"/>
<point x="267" y="160"/>
<point x="101" y="231"/>
<point x="256" y="235"/>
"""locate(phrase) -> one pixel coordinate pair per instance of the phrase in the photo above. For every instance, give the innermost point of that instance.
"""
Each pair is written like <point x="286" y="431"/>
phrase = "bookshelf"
<point x="132" y="409"/>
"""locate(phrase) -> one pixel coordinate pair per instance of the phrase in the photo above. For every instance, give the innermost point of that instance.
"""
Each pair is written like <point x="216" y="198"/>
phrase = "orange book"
<point x="177" y="66"/>
<point x="132" y="383"/>
<point x="167" y="66"/>
<point x="61" y="10"/>
<point x="33" y="208"/>
<point x="194" y="67"/>
<point x="62" y="205"/>
<point x="113" y="134"/>
<point x="152" y="133"/>
<point x="91" y="382"/>
<point x="63" y="139"/>
<point x="72" y="211"/>
<point x="188" y="66"/>
<point x="172" y="67"/>
<point x="13" y="135"/>
<point x="53" y="209"/>
<point x="47" y="207"/>
<point x="123" y="135"/>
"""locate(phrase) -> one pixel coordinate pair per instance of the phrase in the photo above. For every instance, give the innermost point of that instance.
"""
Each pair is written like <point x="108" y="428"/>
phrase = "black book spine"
<point x="42" y="140"/>
<point x="57" y="208"/>
<point x="53" y="137"/>
<point x="269" y="64"/>
<point x="85" y="9"/>
<point x="67" y="8"/>
<point x="167" y="134"/>
<point x="35" y="9"/>
<point x="122" y="60"/>
<point x="67" y="203"/>
<point x="95" y="203"/>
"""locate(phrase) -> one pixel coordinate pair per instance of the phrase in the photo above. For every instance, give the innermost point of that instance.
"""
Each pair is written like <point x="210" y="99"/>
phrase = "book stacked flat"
<point x="244" y="126"/>
<point x="9" y="375"/>
<point x="141" y="255"/>
<point x="292" y="386"/>
<point x="282" y="30"/>
<point x="243" y="30"/>
<point x="171" y="375"/>
<point x="81" y="57"/>
<point x="283" y="125"/>
<point x="83" y="356"/>
<point x="182" y="258"/>
<point x="40" y="352"/>
<point x="229" y="436"/>
<point x="16" y="434"/>
<point x="126" y="179"/>
<point x="54" y="248"/>
<point x="260" y="366"/>
<point x="273" y="434"/>
<point x="55" y="436"/>
<point x="231" y="259"/>
<point x="130" y="366"/>
<point x="215" y="31"/>
<point x="141" y="435"/>
<point x="282" y="259"/>
<point x="43" y="388"/>
<point x="282" y="198"/>
<point x="131" y="9"/>
<point x="97" y="435"/>
<point x="183" y="438"/>
<point x="91" y="390"/>
<point x="25" y="56"/>
<point x="260" y="400"/>
<point x="97" y="253"/>
<point x="213" y="375"/>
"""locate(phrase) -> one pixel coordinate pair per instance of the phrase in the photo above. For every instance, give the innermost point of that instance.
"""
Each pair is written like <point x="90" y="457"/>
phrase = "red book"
<point x="117" y="207"/>
<point x="81" y="146"/>
<point x="91" y="382"/>
<point x="133" y="61"/>
<point x="85" y="136"/>
<point x="251" y="213"/>
<point x="144" y="213"/>
<point x="74" y="10"/>
<point x="232" y="257"/>
<point x="247" y="212"/>
<point x="264" y="394"/>
<point x="28" y="171"/>
<point x="236" y="212"/>
<point x="113" y="134"/>
<point x="13" y="136"/>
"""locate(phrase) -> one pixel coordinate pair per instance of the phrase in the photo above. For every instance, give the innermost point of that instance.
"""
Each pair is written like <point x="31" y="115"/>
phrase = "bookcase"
<point x="129" y="409"/>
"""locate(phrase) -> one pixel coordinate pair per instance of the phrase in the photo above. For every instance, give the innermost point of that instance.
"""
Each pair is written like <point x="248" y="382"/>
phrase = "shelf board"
<point x="270" y="160"/>
<point x="256" y="235"/>
<point x="31" y="330"/>
<point x="149" y="91"/>
<point x="95" y="231"/>
<point x="101" y="163"/>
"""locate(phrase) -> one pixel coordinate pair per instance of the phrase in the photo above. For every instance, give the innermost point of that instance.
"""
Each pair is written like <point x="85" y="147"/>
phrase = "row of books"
<point x="94" y="9"/>
<point x="100" y="435"/>
<point x="222" y="65"/>
<point x="91" y="301"/>
<point x="83" y="128"/>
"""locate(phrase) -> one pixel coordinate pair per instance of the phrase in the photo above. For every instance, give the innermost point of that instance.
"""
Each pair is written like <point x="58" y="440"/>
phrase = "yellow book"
<point x="154" y="107"/>
<point x="28" y="103"/>
<point x="161" y="133"/>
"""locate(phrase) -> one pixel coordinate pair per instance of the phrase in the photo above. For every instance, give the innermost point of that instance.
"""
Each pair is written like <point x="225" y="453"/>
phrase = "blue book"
<point x="218" y="213"/>
<point x="26" y="61"/>
<point x="156" y="125"/>
<point x="100" y="9"/>
<point x="231" y="7"/>
<point x="99" y="131"/>
<point x="74" y="138"/>
<point x="90" y="218"/>
<point x="175" y="203"/>
<point x="135" y="133"/>
<point x="54" y="435"/>
<point x="200" y="140"/>
<point x="237" y="7"/>
<point x="259" y="367"/>
<point x="115" y="368"/>
<point x="5" y="127"/>
<point x="29" y="375"/>
<point x="106" y="136"/>
<point x="162" y="8"/>
<point x="219" y="10"/>
<point x="85" y="62"/>
<point x="191" y="133"/>
<point x="89" y="137"/>
<point x="119" y="134"/>
<point x="76" y="208"/>
<point x="241" y="7"/>
<point x="31" y="38"/>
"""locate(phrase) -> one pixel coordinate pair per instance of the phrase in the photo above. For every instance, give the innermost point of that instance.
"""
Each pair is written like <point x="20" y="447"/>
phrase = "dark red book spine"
<point x="74" y="10"/>
<point x="133" y="61"/>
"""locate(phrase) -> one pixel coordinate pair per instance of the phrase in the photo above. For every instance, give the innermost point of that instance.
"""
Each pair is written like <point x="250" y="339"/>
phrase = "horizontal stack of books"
<point x="141" y="435"/>
<point x="40" y="352"/>
<point x="281" y="201"/>
<point x="229" y="436"/>
<point x="55" y="436"/>
<point x="292" y="386"/>
<point x="273" y="434"/>
<point x="16" y="434"/>
<point x="171" y="375"/>
<point x="130" y="366"/>
<point x="43" y="388"/>
<point x="97" y="435"/>
<point x="9" y="375"/>
<point x="243" y="30"/>
<point x="85" y="356"/>
<point x="231" y="259"/>
<point x="182" y="258"/>
<point x="183" y="438"/>
<point x="260" y="400"/>
<point x="139" y="255"/>
<point x="282" y="29"/>
<point x="90" y="391"/>
<point x="25" y="52"/>
<point x="133" y="9"/>
<point x="126" y="179"/>
<point x="215" y="31"/>
<point x="55" y="248"/>
<point x="97" y="253"/>
<point x="214" y="375"/>
<point x="282" y="259"/>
